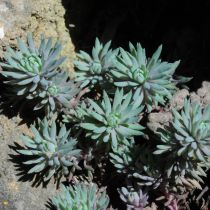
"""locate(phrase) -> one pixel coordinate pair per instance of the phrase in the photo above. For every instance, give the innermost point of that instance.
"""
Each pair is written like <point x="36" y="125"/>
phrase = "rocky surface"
<point x="201" y="96"/>
<point x="17" y="17"/>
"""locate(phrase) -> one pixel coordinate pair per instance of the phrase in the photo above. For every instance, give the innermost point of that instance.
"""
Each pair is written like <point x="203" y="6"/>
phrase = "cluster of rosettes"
<point x="108" y="123"/>
<point x="34" y="73"/>
<point x="150" y="78"/>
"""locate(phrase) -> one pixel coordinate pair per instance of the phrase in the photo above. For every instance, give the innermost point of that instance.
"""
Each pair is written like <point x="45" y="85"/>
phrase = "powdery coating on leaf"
<point x="50" y="148"/>
<point x="152" y="78"/>
<point x="112" y="121"/>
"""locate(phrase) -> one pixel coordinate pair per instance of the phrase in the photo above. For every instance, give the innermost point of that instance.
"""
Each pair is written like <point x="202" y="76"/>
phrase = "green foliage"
<point x="29" y="67"/>
<point x="106" y="124"/>
<point x="113" y="121"/>
<point x="152" y="78"/>
<point x="59" y="93"/>
<point x="34" y="73"/>
<point x="51" y="150"/>
<point x="81" y="196"/>
<point x="189" y="133"/>
<point x="123" y="156"/>
<point x="93" y="69"/>
<point x="75" y="115"/>
<point x="133" y="199"/>
<point x="186" y="140"/>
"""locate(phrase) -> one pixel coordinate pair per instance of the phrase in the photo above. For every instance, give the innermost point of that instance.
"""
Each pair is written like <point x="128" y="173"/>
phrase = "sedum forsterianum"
<point x="134" y="200"/>
<point x="189" y="133"/>
<point x="34" y="74"/>
<point x="112" y="121"/>
<point x="29" y="67"/>
<point x="59" y="93"/>
<point x="81" y="196"/>
<point x="152" y="78"/>
<point x="186" y="141"/>
<point x="51" y="150"/>
<point x="93" y="69"/>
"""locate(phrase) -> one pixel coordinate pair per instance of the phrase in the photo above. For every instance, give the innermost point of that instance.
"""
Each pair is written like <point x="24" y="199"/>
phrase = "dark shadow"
<point x="50" y="206"/>
<point x="183" y="27"/>
<point x="12" y="106"/>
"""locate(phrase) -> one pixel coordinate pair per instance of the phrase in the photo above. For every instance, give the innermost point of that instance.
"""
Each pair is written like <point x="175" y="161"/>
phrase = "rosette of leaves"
<point x="92" y="69"/>
<point x="112" y="121"/>
<point x="51" y="151"/>
<point x="185" y="143"/>
<point x="81" y="196"/>
<point x="59" y="93"/>
<point x="28" y="68"/>
<point x="186" y="139"/>
<point x="134" y="200"/>
<point x="152" y="78"/>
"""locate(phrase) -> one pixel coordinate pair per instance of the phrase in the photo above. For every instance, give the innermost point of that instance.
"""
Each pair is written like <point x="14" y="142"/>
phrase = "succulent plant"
<point x="121" y="84"/>
<point x="152" y="78"/>
<point x="189" y="133"/>
<point x="135" y="200"/>
<point x="81" y="196"/>
<point x="186" y="141"/>
<point x="93" y="69"/>
<point x="51" y="150"/>
<point x="112" y="122"/>
<point x="29" y="67"/>
<point x="179" y="168"/>
<point x="59" y="93"/>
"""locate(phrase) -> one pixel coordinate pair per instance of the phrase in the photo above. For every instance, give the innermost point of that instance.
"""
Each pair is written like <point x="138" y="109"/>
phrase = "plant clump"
<point x="97" y="121"/>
